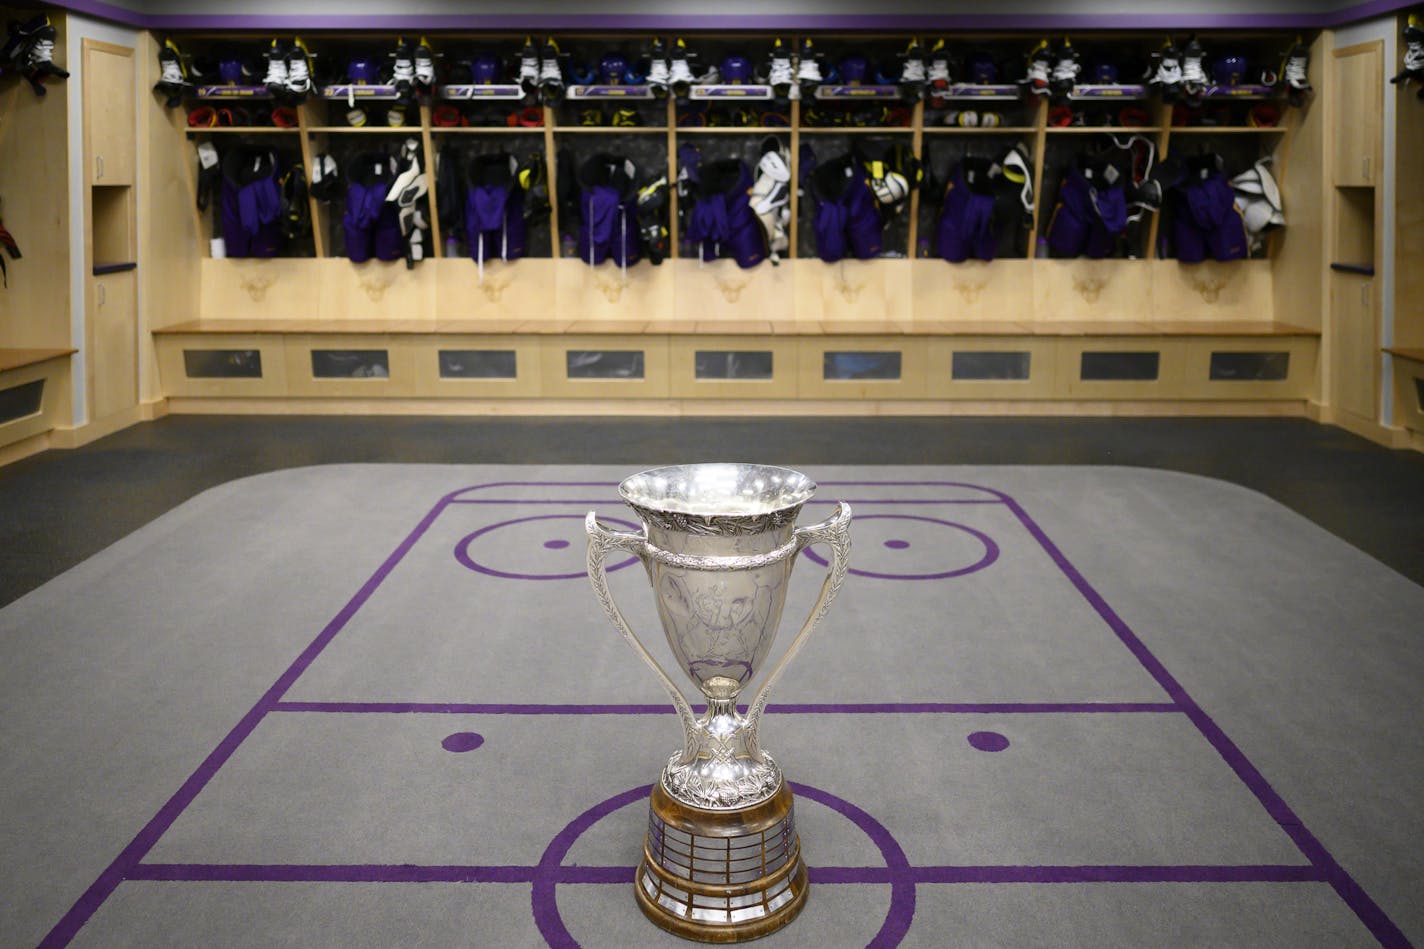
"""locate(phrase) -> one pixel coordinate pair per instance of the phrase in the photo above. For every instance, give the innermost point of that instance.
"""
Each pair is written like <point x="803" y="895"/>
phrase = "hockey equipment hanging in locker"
<point x="30" y="50"/>
<point x="1413" y="68"/>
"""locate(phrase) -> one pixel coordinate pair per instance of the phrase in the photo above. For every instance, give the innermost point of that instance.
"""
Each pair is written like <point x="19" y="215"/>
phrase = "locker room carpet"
<point x="377" y="705"/>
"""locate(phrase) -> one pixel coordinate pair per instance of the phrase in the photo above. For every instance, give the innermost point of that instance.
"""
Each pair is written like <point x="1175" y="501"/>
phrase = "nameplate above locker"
<point x="726" y="91"/>
<point x="482" y="91"/>
<point x="609" y="91"/>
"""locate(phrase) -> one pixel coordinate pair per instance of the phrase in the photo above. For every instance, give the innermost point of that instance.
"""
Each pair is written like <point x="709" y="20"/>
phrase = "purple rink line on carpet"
<point x="1354" y="895"/>
<point x="828" y="708"/>
<point x="898" y="873"/>
<point x="415" y="873"/>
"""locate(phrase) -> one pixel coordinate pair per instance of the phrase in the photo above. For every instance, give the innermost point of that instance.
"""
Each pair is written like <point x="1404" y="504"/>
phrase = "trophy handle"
<point x="834" y="530"/>
<point x="600" y="541"/>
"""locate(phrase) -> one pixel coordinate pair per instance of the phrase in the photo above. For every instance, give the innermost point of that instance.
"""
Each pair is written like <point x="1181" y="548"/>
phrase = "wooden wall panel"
<point x="519" y="291"/>
<point x="1298" y="263"/>
<point x="1211" y="291"/>
<point x="975" y="291"/>
<point x="377" y="290"/>
<point x="1408" y="214"/>
<point x="852" y="291"/>
<point x="606" y="293"/>
<point x="720" y="291"/>
<point x="278" y="289"/>
<point x="34" y="189"/>
<point x="1091" y="290"/>
<point x="170" y="249"/>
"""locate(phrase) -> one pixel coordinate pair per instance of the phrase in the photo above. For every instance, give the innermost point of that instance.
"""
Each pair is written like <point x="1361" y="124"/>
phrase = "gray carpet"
<point x="358" y="706"/>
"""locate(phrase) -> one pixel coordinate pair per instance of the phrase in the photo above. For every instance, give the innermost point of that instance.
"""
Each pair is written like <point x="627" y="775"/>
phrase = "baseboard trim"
<point x="715" y="407"/>
<point x="24" y="448"/>
<point x="1380" y="434"/>
<point x="92" y="431"/>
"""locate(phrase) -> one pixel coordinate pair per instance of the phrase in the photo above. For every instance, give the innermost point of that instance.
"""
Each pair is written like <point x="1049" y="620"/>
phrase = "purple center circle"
<point x="463" y="556"/>
<point x="550" y="871"/>
<point x="988" y="741"/>
<point x="991" y="550"/>
<point x="462" y="741"/>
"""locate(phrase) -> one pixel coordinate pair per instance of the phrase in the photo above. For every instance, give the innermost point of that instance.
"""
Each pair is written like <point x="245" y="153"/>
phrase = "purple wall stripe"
<point x="1364" y="11"/>
<point x="564" y="22"/>
<point x="826" y="708"/>
<point x="1354" y="895"/>
<point x="1185" y="19"/>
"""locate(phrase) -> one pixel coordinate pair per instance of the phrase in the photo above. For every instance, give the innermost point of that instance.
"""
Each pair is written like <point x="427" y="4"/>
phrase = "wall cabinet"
<point x="1355" y="353"/>
<point x="109" y="113"/>
<point x="112" y="347"/>
<point x="1359" y="72"/>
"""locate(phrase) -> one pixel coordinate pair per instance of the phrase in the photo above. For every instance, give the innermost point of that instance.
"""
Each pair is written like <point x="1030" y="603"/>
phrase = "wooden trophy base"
<point x="721" y="876"/>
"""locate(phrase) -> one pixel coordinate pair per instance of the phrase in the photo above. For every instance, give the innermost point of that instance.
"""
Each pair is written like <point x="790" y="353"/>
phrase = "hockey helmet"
<point x="484" y="70"/>
<point x="854" y="69"/>
<point x="736" y="68"/>
<point x="1230" y="70"/>
<point x="982" y="71"/>
<point x="230" y="70"/>
<point x="363" y="70"/>
<point x="612" y="68"/>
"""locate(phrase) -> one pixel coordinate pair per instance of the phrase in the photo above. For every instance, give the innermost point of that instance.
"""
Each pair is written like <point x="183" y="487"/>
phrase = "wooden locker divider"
<point x="427" y="144"/>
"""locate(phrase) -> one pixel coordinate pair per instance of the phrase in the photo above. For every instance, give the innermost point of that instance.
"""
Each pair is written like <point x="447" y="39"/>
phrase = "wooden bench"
<point x="911" y="367"/>
<point x="1409" y="390"/>
<point x="34" y="394"/>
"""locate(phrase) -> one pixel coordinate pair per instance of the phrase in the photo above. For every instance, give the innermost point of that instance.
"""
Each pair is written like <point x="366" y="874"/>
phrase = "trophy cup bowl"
<point x="722" y="859"/>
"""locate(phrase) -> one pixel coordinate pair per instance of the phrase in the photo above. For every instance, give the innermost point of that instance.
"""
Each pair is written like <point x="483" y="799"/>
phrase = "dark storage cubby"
<point x="21" y="401"/>
<point x="838" y="366"/>
<point x="350" y="364"/>
<point x="222" y="363"/>
<point x="1119" y="367"/>
<point x="967" y="366"/>
<point x="733" y="364"/>
<point x="604" y="364"/>
<point x="478" y="364"/>
<point x="1249" y="367"/>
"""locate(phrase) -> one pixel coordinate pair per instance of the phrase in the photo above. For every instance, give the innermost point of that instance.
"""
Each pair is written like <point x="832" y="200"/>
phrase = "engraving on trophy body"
<point x="723" y="622"/>
<point x="719" y="543"/>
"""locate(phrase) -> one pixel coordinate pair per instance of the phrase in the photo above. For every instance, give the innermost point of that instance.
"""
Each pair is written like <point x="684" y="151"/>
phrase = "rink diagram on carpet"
<point x="981" y="748"/>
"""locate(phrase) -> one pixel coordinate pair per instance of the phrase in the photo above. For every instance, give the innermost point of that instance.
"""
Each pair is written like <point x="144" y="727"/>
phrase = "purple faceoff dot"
<point x="988" y="741"/>
<point x="897" y="544"/>
<point x="556" y="544"/>
<point x="462" y="741"/>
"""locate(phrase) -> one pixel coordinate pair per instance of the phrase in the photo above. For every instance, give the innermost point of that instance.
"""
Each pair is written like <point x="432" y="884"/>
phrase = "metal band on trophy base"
<point x="722" y="860"/>
<point x="721" y="876"/>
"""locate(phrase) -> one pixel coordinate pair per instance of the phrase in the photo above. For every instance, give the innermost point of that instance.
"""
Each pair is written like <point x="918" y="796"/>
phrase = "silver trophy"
<point x="722" y="860"/>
